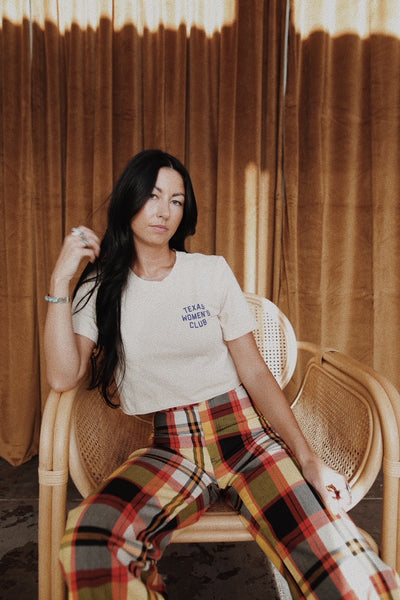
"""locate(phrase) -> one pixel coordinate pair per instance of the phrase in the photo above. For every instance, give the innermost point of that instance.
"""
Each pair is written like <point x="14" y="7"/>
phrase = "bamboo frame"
<point x="59" y="455"/>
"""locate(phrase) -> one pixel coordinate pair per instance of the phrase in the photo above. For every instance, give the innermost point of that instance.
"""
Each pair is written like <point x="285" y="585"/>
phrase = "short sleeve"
<point x="84" y="313"/>
<point x="236" y="317"/>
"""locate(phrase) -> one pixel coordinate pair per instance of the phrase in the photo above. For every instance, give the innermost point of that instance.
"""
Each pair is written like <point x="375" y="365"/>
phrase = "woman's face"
<point x="157" y="221"/>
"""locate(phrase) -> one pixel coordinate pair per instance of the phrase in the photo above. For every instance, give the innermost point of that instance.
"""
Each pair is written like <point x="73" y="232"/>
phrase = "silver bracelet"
<point x="62" y="300"/>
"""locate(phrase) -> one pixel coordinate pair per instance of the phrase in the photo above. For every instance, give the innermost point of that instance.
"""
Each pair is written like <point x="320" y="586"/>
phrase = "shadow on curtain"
<point x="341" y="258"/>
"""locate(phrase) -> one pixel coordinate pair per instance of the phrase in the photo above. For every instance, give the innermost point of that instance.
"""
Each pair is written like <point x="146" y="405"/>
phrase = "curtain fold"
<point x="250" y="145"/>
<point x="339" y="276"/>
<point x="20" y="403"/>
<point x="87" y="85"/>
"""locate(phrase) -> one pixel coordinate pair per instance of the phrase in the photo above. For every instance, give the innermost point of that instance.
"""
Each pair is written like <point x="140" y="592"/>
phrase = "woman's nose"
<point x="163" y="208"/>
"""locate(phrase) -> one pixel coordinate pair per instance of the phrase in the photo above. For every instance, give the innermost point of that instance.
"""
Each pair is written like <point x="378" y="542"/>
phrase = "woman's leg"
<point x="114" y="539"/>
<point x="321" y="555"/>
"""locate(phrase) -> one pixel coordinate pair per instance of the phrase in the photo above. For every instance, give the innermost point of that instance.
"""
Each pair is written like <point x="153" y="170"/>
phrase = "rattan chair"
<point x="349" y="414"/>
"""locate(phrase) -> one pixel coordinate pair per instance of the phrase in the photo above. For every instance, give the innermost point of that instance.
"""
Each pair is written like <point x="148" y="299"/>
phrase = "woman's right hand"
<point x="67" y="354"/>
<point x="81" y="243"/>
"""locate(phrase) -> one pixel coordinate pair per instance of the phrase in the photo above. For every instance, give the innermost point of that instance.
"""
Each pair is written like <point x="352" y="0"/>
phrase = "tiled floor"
<point x="195" y="571"/>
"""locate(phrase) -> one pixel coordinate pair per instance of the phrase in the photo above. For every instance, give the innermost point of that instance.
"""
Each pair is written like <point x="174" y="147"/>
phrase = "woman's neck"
<point x="154" y="265"/>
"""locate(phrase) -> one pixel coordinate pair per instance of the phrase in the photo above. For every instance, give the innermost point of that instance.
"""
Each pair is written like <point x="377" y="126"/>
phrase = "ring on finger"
<point x="79" y="232"/>
<point x="331" y="488"/>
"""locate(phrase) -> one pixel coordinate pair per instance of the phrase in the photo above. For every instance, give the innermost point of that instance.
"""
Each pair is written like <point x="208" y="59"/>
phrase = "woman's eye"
<point x="177" y="202"/>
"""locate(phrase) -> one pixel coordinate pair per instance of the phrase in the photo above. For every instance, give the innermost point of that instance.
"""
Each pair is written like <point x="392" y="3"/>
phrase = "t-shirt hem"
<point x="239" y="333"/>
<point x="173" y="403"/>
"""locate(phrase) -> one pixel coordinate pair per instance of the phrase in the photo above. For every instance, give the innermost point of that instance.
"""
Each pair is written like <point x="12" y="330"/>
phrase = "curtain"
<point x="297" y="186"/>
<point x="19" y="339"/>
<point x="340" y="279"/>
<point x="88" y="84"/>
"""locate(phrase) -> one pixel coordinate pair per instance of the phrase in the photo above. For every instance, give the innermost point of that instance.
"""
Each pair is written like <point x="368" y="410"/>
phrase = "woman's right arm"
<point x="67" y="354"/>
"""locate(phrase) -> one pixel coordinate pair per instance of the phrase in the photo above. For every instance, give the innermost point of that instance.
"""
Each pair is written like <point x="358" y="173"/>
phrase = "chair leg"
<point x="46" y="495"/>
<point x="44" y="542"/>
<point x="59" y="512"/>
<point x="53" y="480"/>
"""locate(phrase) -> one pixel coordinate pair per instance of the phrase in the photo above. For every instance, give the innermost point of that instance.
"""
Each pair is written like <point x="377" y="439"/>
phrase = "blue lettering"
<point x="197" y="324"/>
<point x="193" y="308"/>
<point x="196" y="315"/>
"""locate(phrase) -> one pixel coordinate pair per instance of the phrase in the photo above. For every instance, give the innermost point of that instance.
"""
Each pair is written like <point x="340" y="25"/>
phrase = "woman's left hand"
<point x="331" y="486"/>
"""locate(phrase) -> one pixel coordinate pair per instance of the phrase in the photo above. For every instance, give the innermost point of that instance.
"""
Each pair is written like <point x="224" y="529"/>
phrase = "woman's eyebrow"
<point x="174" y="194"/>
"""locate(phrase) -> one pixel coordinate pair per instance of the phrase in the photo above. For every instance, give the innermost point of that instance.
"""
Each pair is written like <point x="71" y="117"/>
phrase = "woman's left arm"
<point x="268" y="397"/>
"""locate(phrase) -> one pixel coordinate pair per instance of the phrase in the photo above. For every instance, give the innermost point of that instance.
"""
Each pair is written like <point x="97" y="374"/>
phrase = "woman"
<point x="172" y="332"/>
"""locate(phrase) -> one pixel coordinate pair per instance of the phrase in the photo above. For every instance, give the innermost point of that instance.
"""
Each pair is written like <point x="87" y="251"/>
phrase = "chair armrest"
<point x="384" y="401"/>
<point x="53" y="480"/>
<point x="388" y="403"/>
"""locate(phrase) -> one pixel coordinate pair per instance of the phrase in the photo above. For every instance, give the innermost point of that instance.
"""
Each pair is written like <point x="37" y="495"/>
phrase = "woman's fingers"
<point x="81" y="243"/>
<point x="331" y="485"/>
<point x="341" y="495"/>
<point x="87" y="241"/>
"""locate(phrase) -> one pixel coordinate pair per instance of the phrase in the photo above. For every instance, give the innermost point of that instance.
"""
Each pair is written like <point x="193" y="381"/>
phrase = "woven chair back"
<point x="102" y="438"/>
<point x="345" y="432"/>
<point x="275" y="338"/>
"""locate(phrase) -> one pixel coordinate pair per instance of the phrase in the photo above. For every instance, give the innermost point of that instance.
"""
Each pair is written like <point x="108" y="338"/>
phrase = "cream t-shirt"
<point x="173" y="333"/>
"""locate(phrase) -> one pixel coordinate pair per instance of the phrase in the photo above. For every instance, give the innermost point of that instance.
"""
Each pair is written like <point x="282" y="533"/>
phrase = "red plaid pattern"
<point x="114" y="539"/>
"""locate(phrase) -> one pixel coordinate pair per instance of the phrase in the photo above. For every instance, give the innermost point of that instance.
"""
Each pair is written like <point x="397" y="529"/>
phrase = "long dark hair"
<point x="117" y="254"/>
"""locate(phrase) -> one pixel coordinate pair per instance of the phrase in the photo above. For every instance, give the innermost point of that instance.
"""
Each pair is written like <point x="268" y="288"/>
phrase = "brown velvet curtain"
<point x="340" y="271"/>
<point x="88" y="84"/>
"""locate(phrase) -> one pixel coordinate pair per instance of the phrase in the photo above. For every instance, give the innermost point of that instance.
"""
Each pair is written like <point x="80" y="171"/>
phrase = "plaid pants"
<point x="114" y="539"/>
